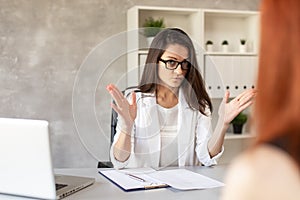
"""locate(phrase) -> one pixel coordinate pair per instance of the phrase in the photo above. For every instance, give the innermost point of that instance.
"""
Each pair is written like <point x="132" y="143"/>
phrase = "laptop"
<point x="26" y="164"/>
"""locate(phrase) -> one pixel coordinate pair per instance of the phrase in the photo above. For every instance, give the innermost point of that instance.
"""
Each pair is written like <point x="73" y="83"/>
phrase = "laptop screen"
<point x="26" y="166"/>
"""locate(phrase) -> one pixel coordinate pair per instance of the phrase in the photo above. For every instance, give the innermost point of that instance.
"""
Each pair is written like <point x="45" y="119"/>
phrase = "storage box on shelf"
<point x="235" y="73"/>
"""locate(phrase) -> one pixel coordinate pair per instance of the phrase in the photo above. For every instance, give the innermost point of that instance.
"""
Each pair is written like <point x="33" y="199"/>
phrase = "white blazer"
<point x="194" y="131"/>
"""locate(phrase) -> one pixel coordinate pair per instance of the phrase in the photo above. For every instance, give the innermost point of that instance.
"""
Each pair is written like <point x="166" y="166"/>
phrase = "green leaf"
<point x="241" y="118"/>
<point x="152" y="26"/>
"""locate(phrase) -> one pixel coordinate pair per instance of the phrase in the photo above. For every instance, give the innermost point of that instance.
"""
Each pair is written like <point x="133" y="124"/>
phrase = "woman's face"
<point x="173" y="55"/>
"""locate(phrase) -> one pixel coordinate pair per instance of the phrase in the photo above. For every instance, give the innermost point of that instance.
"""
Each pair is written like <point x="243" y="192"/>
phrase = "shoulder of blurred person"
<point x="263" y="172"/>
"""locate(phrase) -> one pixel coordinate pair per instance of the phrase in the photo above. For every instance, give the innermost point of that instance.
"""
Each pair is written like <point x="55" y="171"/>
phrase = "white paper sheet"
<point x="183" y="179"/>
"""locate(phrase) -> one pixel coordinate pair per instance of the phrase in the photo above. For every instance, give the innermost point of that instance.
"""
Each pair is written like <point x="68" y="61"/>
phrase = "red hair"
<point x="277" y="107"/>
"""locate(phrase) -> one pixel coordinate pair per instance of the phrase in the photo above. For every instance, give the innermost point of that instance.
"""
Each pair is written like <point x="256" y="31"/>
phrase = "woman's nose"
<point x="178" y="70"/>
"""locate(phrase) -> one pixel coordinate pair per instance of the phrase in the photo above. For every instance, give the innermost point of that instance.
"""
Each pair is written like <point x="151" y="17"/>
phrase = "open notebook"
<point x="26" y="164"/>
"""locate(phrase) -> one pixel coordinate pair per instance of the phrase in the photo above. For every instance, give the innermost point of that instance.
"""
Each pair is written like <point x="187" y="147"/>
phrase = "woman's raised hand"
<point x="229" y="110"/>
<point x="126" y="111"/>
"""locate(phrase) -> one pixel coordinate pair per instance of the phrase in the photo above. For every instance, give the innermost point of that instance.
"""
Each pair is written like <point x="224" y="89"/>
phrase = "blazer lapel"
<point x="185" y="131"/>
<point x="152" y="132"/>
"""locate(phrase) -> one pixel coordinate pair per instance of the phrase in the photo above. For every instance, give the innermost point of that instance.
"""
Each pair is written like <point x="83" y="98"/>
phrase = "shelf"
<point x="219" y="53"/>
<point x="184" y="18"/>
<point x="143" y="51"/>
<point x="229" y="13"/>
<point x="230" y="136"/>
<point x="214" y="53"/>
<point x="232" y="26"/>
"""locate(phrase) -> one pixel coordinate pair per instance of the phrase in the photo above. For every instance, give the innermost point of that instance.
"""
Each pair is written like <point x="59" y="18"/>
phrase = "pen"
<point x="136" y="177"/>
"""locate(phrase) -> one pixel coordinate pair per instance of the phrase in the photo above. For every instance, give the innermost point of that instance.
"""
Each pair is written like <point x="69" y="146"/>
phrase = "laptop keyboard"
<point x="59" y="186"/>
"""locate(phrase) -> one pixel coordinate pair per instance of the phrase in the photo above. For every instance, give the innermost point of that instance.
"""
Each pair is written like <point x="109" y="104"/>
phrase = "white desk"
<point x="104" y="189"/>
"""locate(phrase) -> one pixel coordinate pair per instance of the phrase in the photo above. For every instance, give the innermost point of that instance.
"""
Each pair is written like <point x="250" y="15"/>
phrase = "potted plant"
<point x="152" y="27"/>
<point x="238" y="123"/>
<point x="225" y="45"/>
<point x="209" y="45"/>
<point x="243" y="45"/>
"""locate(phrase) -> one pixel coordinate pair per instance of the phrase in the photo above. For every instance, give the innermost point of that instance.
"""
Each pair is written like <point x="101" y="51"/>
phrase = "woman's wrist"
<point x="126" y="128"/>
<point x="126" y="131"/>
<point x="125" y="125"/>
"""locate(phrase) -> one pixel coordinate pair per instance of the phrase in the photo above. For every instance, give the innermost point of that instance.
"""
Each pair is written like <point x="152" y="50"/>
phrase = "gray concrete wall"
<point x="42" y="46"/>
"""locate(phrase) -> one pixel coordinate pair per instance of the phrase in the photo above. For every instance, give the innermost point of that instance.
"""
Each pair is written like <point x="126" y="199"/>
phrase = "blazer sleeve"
<point x="117" y="164"/>
<point x="203" y="134"/>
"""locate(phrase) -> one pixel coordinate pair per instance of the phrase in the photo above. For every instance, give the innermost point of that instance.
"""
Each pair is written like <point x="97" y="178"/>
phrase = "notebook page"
<point x="183" y="179"/>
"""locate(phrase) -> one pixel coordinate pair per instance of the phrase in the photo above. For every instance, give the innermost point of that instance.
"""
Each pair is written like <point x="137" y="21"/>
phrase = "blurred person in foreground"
<point x="271" y="168"/>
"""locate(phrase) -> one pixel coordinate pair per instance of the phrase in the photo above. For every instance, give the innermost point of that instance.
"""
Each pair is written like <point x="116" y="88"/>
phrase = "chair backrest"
<point x="113" y="125"/>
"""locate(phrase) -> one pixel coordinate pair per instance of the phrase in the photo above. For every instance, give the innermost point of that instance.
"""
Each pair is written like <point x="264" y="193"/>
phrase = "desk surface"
<point x="104" y="188"/>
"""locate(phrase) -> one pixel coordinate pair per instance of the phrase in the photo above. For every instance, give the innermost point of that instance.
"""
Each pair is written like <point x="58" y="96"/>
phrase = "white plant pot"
<point x="242" y="48"/>
<point x="209" y="48"/>
<point x="149" y="40"/>
<point x="225" y="48"/>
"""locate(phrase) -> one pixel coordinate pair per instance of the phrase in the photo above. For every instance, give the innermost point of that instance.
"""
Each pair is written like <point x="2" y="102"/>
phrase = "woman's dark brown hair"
<point x="193" y="85"/>
<point x="277" y="109"/>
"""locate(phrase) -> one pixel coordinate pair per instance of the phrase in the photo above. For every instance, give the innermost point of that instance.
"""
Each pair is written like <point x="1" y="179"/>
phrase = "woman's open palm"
<point x="229" y="110"/>
<point x="126" y="110"/>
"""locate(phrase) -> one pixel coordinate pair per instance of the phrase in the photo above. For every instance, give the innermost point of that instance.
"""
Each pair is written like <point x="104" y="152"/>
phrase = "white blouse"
<point x="168" y="135"/>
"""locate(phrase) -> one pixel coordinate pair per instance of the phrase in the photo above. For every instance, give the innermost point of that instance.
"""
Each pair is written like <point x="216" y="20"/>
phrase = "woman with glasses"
<point x="166" y="121"/>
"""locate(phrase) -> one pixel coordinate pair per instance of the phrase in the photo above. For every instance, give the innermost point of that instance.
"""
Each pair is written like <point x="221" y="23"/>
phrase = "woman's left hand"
<point x="229" y="110"/>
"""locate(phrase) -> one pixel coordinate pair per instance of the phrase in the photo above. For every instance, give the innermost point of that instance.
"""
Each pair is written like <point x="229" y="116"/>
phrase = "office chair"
<point x="113" y="125"/>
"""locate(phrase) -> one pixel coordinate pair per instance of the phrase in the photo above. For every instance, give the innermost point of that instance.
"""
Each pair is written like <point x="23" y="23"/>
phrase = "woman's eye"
<point x="172" y="62"/>
<point x="185" y="64"/>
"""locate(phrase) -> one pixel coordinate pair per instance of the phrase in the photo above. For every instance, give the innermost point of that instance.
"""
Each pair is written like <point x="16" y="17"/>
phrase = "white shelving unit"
<point x="232" y="70"/>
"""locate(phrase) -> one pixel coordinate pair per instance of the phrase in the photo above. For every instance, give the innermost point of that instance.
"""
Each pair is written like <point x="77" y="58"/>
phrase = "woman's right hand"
<point x="126" y="111"/>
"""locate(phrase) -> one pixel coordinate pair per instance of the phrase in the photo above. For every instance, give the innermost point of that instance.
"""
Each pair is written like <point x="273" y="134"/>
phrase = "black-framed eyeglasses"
<point x="173" y="64"/>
